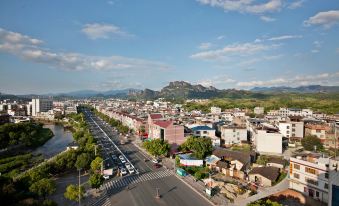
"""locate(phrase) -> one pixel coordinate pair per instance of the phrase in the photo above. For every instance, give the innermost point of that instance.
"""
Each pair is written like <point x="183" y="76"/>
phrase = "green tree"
<point x="201" y="147"/>
<point x="157" y="147"/>
<point x="309" y="142"/>
<point x="83" y="161"/>
<point x="198" y="175"/>
<point x="96" y="164"/>
<point x="72" y="192"/>
<point x="264" y="203"/>
<point x="49" y="203"/>
<point x="262" y="160"/>
<point x="43" y="187"/>
<point x="96" y="180"/>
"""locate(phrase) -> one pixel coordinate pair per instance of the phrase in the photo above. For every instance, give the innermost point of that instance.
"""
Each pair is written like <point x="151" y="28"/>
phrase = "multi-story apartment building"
<point x="267" y="139"/>
<point x="41" y="105"/>
<point x="203" y="131"/>
<point x="312" y="174"/>
<point x="292" y="128"/>
<point x="233" y="134"/>
<point x="258" y="110"/>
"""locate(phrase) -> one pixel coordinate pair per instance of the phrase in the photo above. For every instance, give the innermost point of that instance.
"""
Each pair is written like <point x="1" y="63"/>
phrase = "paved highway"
<point x="140" y="187"/>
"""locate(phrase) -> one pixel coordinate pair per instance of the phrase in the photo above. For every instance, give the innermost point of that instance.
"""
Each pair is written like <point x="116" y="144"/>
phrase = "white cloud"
<point x="110" y="2"/>
<point x="245" y="6"/>
<point x="233" y="49"/>
<point x="204" y="46"/>
<point x="28" y="48"/>
<point x="300" y="80"/>
<point x="317" y="44"/>
<point x="216" y="80"/>
<point x="327" y="19"/>
<point x="119" y="84"/>
<point x="220" y="37"/>
<point x="285" y="37"/>
<point x="296" y="4"/>
<point x="314" y="50"/>
<point x="103" y="31"/>
<point x="267" y="19"/>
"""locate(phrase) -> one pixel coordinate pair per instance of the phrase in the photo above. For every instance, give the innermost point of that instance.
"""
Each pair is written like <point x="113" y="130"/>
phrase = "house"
<point x="203" y="131"/>
<point x="233" y="134"/>
<point x="276" y="162"/>
<point x="215" y="110"/>
<point x="232" y="163"/>
<point x="292" y="128"/>
<point x="264" y="176"/>
<point x="258" y="110"/>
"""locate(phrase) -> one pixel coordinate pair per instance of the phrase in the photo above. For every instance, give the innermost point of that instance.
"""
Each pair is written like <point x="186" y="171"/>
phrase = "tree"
<point x="201" y="147"/>
<point x="262" y="160"/>
<point x="96" y="164"/>
<point x="43" y="187"/>
<point x="157" y="147"/>
<point x="72" y="192"/>
<point x="309" y="143"/>
<point x="96" y="180"/>
<point x="264" y="203"/>
<point x="49" y="203"/>
<point x="83" y="161"/>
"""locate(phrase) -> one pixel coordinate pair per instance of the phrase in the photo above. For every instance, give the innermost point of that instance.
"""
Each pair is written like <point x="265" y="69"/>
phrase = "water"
<point x="57" y="143"/>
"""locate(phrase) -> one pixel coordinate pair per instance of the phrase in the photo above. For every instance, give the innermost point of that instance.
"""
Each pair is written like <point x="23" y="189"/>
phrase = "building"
<point x="293" y="128"/>
<point x="264" y="176"/>
<point x="203" y="131"/>
<point x="41" y="105"/>
<point x="309" y="174"/>
<point x="267" y="139"/>
<point x="233" y="134"/>
<point x="215" y="110"/>
<point x="258" y="110"/>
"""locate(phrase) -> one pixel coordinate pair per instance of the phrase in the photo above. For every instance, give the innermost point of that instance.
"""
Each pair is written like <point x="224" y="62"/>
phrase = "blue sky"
<point x="60" y="46"/>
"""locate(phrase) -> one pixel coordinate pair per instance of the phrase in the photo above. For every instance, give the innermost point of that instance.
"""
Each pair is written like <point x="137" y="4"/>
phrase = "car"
<point x="123" y="171"/>
<point x="106" y="177"/>
<point x="155" y="161"/>
<point x="156" y="165"/>
<point x="131" y="170"/>
<point x="127" y="165"/>
<point x="123" y="160"/>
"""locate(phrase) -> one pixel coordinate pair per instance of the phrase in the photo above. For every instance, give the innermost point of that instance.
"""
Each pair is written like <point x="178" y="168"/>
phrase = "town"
<point x="239" y="160"/>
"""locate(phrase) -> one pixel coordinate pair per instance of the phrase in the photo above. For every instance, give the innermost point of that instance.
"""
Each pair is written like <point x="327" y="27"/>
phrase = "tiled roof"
<point x="197" y="128"/>
<point x="156" y="116"/>
<point x="271" y="173"/>
<point x="163" y="123"/>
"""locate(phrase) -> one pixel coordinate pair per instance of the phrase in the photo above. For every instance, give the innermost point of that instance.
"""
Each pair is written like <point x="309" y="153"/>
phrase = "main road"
<point x="142" y="187"/>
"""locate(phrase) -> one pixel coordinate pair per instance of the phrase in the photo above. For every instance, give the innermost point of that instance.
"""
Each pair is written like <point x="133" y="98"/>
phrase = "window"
<point x="205" y="132"/>
<point x="326" y="186"/>
<point x="316" y="193"/>
<point x="318" y="131"/>
<point x="233" y="130"/>
<point x="293" y="130"/>
<point x="296" y="166"/>
<point x="287" y="127"/>
<point x="311" y="181"/>
<point x="326" y="175"/>
<point x="287" y="132"/>
<point x="293" y="125"/>
<point x="310" y="170"/>
<point x="296" y="175"/>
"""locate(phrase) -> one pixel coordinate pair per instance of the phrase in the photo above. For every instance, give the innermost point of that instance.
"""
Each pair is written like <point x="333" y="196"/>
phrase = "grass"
<point x="280" y="178"/>
<point x="243" y="148"/>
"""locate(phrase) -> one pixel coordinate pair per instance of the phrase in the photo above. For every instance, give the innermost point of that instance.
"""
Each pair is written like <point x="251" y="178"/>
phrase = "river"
<point x="57" y="143"/>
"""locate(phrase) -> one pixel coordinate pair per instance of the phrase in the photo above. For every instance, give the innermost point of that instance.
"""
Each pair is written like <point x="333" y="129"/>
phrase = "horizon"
<point x="114" y="45"/>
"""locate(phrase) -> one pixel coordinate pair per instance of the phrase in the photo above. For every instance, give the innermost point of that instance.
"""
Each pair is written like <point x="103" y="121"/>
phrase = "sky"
<point x="62" y="46"/>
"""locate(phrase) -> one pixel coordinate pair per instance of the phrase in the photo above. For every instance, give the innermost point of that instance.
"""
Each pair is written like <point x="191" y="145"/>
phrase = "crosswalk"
<point x="134" y="179"/>
<point x="102" y="201"/>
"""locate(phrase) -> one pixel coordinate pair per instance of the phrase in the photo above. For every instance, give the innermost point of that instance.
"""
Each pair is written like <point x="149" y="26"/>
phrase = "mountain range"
<point x="300" y="89"/>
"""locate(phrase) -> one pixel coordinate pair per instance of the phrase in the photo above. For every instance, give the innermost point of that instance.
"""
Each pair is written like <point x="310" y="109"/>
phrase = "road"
<point x="141" y="186"/>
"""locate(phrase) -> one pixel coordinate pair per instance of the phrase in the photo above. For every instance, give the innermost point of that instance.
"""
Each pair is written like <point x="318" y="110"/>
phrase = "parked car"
<point x="127" y="165"/>
<point x="155" y="161"/>
<point x="106" y="177"/>
<point x="123" y="171"/>
<point x="131" y="170"/>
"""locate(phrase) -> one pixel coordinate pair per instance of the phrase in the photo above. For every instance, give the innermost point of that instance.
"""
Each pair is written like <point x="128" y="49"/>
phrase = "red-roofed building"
<point x="165" y="130"/>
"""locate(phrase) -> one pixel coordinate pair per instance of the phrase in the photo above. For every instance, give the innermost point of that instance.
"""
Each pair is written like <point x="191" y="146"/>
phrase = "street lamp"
<point x="157" y="195"/>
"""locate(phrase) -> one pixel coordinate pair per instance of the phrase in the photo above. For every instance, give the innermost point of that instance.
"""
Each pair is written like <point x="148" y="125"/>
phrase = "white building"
<point x="233" y="134"/>
<point x="41" y="105"/>
<point x="203" y="131"/>
<point x="215" y="110"/>
<point x="258" y="110"/>
<point x="294" y="129"/>
<point x="310" y="174"/>
<point x="267" y="139"/>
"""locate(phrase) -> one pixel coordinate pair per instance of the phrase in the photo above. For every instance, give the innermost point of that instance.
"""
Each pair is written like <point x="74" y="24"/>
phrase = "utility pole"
<point x="157" y="195"/>
<point x="79" y="189"/>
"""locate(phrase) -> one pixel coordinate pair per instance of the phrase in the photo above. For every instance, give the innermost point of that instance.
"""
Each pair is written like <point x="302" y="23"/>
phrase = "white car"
<point x="123" y="171"/>
<point x="131" y="170"/>
<point x="122" y="159"/>
<point x="106" y="177"/>
<point x="155" y="161"/>
<point x="127" y="165"/>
